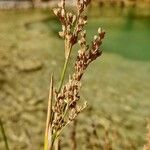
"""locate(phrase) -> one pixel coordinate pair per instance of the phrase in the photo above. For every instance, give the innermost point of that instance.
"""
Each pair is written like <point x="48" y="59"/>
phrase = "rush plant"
<point x="63" y="104"/>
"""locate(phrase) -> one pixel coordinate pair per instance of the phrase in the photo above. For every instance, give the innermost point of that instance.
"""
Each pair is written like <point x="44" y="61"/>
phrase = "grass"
<point x="119" y="83"/>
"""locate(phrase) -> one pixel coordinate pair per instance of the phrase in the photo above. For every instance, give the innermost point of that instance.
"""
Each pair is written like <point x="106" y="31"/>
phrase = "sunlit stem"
<point x="68" y="48"/>
<point x="48" y="131"/>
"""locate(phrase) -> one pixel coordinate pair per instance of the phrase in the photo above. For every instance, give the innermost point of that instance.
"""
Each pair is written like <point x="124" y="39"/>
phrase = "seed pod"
<point x="62" y="34"/>
<point x="95" y="37"/>
<point x="56" y="11"/>
<point x="74" y="19"/>
<point x="63" y="13"/>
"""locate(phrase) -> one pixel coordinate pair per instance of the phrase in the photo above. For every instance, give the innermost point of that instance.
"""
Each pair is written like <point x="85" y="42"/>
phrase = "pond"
<point x="127" y="33"/>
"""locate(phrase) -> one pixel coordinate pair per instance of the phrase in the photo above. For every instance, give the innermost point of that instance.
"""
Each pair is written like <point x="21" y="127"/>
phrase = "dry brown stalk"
<point x="65" y="107"/>
<point x="57" y="145"/>
<point x="73" y="136"/>
<point x="147" y="146"/>
<point x="48" y="131"/>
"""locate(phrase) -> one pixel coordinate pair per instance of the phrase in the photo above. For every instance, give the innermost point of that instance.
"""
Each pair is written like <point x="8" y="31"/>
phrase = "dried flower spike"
<point x="66" y="105"/>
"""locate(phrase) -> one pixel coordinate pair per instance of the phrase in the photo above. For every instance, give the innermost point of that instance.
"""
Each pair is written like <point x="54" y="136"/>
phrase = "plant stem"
<point x="68" y="49"/>
<point x="73" y="135"/>
<point x="63" y="74"/>
<point x="4" y="135"/>
<point x="48" y="130"/>
<point x="57" y="144"/>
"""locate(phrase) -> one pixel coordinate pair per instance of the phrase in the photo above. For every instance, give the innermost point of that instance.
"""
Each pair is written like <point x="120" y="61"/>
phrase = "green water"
<point x="126" y="36"/>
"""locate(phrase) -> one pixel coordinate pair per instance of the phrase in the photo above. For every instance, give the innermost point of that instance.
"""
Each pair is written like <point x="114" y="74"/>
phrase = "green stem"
<point x="63" y="74"/>
<point x="4" y="135"/>
<point x="68" y="48"/>
<point x="65" y="66"/>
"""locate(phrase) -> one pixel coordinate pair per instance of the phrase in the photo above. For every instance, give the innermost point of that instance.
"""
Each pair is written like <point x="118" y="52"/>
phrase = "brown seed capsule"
<point x="56" y="11"/>
<point x="63" y="13"/>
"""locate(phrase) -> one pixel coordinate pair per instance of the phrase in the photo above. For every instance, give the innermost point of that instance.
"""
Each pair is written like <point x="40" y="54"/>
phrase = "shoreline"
<point x="27" y="4"/>
<point x="140" y="10"/>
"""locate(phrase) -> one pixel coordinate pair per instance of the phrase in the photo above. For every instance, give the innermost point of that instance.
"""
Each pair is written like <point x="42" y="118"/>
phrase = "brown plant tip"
<point x="86" y="55"/>
<point x="82" y="4"/>
<point x="72" y="24"/>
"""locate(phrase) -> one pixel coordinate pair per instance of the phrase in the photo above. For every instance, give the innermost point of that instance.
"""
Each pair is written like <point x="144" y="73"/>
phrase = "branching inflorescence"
<point x="65" y="107"/>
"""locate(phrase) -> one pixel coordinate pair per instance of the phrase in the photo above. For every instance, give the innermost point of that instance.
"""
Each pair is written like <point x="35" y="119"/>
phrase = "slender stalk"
<point x="73" y="136"/>
<point x="63" y="74"/>
<point x="48" y="130"/>
<point x="65" y="66"/>
<point x="4" y="135"/>
<point x="68" y="49"/>
<point x="57" y="144"/>
<point x="72" y="31"/>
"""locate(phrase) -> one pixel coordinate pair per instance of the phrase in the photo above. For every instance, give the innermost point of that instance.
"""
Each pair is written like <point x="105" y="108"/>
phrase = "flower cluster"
<point x="72" y="24"/>
<point x="86" y="55"/>
<point x="66" y="106"/>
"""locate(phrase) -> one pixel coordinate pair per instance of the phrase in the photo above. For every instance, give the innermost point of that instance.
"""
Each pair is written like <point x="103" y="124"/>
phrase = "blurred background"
<point x="116" y="86"/>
